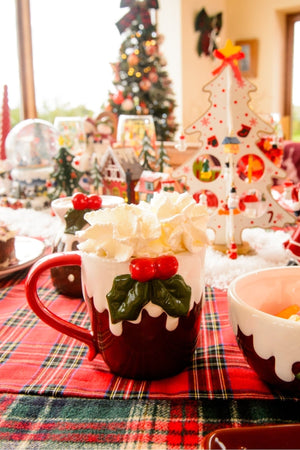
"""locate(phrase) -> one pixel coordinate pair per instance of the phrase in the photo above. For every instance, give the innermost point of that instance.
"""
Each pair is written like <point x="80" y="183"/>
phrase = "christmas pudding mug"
<point x="144" y="313"/>
<point x="67" y="279"/>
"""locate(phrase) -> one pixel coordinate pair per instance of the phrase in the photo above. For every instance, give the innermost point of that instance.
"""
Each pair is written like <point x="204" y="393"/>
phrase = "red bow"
<point x="229" y="60"/>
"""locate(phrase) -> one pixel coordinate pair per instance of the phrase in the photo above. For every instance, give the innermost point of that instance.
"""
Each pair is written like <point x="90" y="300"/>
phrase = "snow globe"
<point x="30" y="148"/>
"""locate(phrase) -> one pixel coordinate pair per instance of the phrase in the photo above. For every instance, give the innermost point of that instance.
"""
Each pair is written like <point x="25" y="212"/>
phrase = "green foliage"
<point x="127" y="297"/>
<point x="49" y="113"/>
<point x="65" y="110"/>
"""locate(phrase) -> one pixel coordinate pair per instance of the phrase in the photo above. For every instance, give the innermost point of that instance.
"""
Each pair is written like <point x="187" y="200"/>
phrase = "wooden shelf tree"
<point x="229" y="167"/>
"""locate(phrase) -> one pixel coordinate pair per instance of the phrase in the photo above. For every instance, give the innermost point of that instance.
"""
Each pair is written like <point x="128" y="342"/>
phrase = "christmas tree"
<point x="230" y="168"/>
<point x="142" y="84"/>
<point x="163" y="158"/>
<point x="66" y="177"/>
<point x="147" y="154"/>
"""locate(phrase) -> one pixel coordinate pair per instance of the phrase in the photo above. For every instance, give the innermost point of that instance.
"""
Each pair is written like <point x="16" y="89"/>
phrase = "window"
<point x="292" y="88"/>
<point x="149" y="185"/>
<point x="73" y="43"/>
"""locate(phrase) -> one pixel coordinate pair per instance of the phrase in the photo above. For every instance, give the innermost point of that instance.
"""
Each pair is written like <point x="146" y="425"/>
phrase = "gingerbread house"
<point x="121" y="171"/>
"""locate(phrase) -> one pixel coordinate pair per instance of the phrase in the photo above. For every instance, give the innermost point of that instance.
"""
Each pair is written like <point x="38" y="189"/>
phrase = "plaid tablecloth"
<point x="36" y="359"/>
<point x="39" y="422"/>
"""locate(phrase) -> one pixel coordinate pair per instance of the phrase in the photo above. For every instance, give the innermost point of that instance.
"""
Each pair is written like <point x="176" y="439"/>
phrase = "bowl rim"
<point x="234" y="297"/>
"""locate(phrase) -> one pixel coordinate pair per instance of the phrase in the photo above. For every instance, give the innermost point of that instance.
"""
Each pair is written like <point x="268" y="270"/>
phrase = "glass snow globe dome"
<point x="31" y="144"/>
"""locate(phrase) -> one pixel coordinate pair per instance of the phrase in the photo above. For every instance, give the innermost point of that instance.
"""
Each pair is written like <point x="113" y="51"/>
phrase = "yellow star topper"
<point x="230" y="49"/>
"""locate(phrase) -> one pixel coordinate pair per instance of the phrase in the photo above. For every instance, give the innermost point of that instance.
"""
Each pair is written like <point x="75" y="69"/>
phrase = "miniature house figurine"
<point x="120" y="171"/>
<point x="151" y="182"/>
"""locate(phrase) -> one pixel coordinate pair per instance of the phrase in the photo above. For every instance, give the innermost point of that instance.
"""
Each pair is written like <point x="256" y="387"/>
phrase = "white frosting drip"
<point x="98" y="274"/>
<point x="265" y="293"/>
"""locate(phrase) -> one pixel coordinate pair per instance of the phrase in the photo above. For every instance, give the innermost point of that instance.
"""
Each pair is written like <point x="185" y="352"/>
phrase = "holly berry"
<point x="145" y="269"/>
<point x="142" y="269"/>
<point x="80" y="200"/>
<point x="94" y="201"/>
<point x="166" y="266"/>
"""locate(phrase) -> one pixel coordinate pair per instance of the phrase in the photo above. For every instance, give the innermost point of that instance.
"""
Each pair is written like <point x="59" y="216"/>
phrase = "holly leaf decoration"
<point x="173" y="295"/>
<point x="128" y="296"/>
<point x="75" y="220"/>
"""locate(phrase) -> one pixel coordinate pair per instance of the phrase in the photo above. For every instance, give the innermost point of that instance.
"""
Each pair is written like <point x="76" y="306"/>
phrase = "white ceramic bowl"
<point x="270" y="344"/>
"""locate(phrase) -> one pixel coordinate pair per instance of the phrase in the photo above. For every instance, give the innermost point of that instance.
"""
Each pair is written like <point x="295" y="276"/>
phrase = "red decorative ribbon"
<point x="136" y="9"/>
<point x="229" y="60"/>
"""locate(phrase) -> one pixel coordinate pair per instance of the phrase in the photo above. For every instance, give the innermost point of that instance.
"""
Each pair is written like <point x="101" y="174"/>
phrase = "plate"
<point x="256" y="437"/>
<point x="28" y="250"/>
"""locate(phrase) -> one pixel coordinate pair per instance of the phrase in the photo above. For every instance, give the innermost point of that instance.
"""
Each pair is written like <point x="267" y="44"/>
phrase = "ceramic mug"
<point x="139" y="334"/>
<point x="67" y="279"/>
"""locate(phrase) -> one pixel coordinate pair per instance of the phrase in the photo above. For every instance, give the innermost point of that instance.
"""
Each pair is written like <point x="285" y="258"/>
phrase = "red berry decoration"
<point x="80" y="200"/>
<point x="166" y="266"/>
<point x="94" y="201"/>
<point x="142" y="269"/>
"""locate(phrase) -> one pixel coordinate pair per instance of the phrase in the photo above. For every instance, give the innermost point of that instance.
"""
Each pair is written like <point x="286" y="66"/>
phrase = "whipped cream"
<point x="170" y="223"/>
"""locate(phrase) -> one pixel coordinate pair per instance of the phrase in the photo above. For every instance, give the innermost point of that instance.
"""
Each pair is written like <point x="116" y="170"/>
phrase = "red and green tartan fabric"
<point x="36" y="359"/>
<point x="42" y="422"/>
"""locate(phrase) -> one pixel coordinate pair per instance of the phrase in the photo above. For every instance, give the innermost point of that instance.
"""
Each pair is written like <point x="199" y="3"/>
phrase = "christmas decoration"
<point x="142" y="84"/>
<point x="30" y="148"/>
<point x="152" y="182"/>
<point x="209" y="28"/>
<point x="5" y="123"/>
<point x="235" y="165"/>
<point x="147" y="155"/>
<point x="71" y="133"/>
<point x="163" y="158"/>
<point x="120" y="171"/>
<point x="66" y="176"/>
<point x="132" y="129"/>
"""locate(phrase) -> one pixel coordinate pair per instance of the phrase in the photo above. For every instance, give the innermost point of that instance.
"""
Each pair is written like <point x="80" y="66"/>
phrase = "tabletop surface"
<point x="52" y="396"/>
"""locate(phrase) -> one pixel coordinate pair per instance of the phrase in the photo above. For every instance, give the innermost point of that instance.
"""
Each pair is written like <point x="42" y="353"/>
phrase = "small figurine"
<point x="232" y="251"/>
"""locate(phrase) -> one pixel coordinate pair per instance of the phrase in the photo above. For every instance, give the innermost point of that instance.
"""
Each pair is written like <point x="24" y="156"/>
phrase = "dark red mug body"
<point x="152" y="347"/>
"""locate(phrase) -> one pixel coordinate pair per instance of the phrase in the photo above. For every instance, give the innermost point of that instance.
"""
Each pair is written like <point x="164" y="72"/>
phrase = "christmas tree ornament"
<point x="243" y="167"/>
<point x="133" y="59"/>
<point x="127" y="105"/>
<point x="145" y="84"/>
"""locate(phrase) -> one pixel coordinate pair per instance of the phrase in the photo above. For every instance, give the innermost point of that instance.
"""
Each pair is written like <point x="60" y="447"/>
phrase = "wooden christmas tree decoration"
<point x="5" y="123"/>
<point x="66" y="177"/>
<point x="229" y="165"/>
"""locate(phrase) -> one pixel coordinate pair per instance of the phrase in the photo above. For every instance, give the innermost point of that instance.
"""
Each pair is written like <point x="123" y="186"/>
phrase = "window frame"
<point x="27" y="102"/>
<point x="289" y="51"/>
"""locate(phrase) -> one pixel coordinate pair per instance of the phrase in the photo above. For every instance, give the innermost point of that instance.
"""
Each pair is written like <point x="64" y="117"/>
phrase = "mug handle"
<point x="34" y="301"/>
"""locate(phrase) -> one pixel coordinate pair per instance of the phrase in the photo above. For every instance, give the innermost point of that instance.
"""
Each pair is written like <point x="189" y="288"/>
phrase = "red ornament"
<point x="145" y="84"/>
<point x="153" y="77"/>
<point x="133" y="59"/>
<point x="118" y="98"/>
